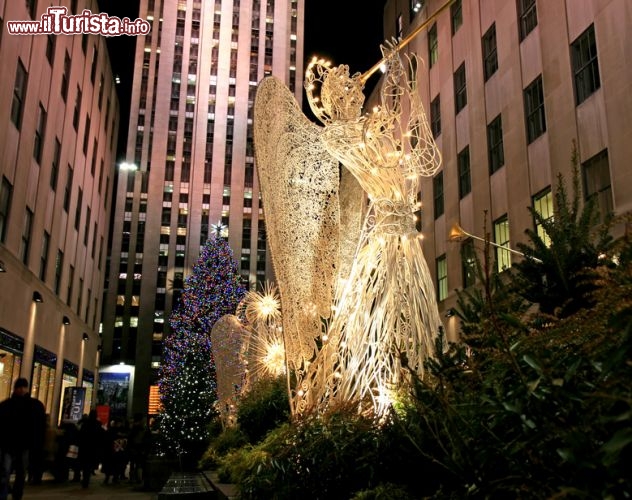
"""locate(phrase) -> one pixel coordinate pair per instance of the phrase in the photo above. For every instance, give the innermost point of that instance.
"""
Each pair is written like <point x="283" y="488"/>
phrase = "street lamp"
<point x="457" y="233"/>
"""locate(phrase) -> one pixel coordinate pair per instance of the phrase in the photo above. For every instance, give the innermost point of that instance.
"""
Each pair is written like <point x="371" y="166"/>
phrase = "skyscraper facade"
<point x="191" y="143"/>
<point x="58" y="134"/>
<point x="513" y="89"/>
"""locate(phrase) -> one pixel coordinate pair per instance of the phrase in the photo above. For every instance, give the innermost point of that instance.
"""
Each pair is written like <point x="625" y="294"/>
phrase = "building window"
<point x="19" y="92"/>
<point x="50" y="49"/>
<point x="456" y="15"/>
<point x="399" y="27"/>
<point x="71" y="279"/>
<point x="437" y="187"/>
<point x="465" y="179"/>
<point x="101" y="90"/>
<point x="77" y="110"/>
<point x="5" y="206"/>
<point x="460" y="89"/>
<point x="585" y="65"/>
<point x="442" y="278"/>
<point x="490" y="54"/>
<point x="543" y="206"/>
<point x="25" y="244"/>
<point x="86" y="136"/>
<point x="86" y="232"/>
<point x="59" y="264"/>
<point x="31" y="5"/>
<point x="435" y="116"/>
<point x="468" y="263"/>
<point x="54" y="169"/>
<point x="44" y="256"/>
<point x="65" y="79"/>
<point x="79" y="296"/>
<point x="527" y="17"/>
<point x="78" y="209"/>
<point x="596" y="174"/>
<point x="95" y="60"/>
<point x="534" y="110"/>
<point x="433" y="45"/>
<point x="68" y="189"/>
<point x="501" y="238"/>
<point x="40" y="130"/>
<point x="495" y="149"/>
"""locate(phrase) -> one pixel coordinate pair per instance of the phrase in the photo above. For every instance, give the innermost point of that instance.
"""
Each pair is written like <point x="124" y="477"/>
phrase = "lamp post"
<point x="457" y="234"/>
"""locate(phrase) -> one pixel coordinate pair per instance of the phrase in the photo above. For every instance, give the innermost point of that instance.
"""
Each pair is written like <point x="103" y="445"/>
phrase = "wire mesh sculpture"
<point x="384" y="313"/>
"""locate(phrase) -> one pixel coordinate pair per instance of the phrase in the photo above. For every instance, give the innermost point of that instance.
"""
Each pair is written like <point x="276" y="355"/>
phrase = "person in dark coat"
<point x="17" y="425"/>
<point x="90" y="438"/>
<point x="36" y="453"/>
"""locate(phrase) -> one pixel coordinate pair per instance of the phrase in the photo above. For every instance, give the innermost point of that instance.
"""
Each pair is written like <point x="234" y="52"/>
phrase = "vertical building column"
<point x="59" y="373"/>
<point x="26" y="368"/>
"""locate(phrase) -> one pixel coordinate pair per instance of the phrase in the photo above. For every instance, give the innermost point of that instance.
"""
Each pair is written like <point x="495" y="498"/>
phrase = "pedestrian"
<point x="71" y="457"/>
<point x="137" y="444"/>
<point x="17" y="428"/>
<point x="107" y="453"/>
<point x="36" y="453"/>
<point x="90" y="438"/>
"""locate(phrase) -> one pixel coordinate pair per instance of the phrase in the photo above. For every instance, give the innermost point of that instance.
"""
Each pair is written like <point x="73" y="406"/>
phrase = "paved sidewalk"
<point x="50" y="490"/>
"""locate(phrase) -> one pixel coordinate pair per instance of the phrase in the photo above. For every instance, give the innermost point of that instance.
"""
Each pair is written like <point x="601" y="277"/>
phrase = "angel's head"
<point x="332" y="93"/>
<point x="341" y="94"/>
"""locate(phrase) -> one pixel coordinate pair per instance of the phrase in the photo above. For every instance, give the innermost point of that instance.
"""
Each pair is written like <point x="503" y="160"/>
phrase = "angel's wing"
<point x="226" y="338"/>
<point x="299" y="183"/>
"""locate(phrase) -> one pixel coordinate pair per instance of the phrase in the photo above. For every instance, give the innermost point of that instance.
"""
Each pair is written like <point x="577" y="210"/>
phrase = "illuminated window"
<point x="543" y="206"/>
<point x="501" y="238"/>
<point x="442" y="278"/>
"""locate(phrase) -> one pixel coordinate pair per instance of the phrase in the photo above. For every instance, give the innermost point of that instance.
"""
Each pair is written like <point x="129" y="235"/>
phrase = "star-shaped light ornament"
<point x="220" y="229"/>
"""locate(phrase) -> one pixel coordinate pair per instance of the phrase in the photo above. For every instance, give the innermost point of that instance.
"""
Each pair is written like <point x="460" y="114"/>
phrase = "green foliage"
<point x="532" y="413"/>
<point x="323" y="456"/>
<point x="264" y="407"/>
<point x="559" y="276"/>
<point x="386" y="491"/>
<point x="228" y="440"/>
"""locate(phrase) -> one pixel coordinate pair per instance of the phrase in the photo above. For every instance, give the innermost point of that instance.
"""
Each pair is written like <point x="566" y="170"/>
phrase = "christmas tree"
<point x="187" y="381"/>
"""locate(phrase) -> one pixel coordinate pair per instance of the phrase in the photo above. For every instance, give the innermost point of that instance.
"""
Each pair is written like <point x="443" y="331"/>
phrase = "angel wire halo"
<point x="322" y="83"/>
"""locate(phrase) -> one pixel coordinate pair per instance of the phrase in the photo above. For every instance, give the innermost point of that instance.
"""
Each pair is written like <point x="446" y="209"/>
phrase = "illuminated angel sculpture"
<point x="385" y="312"/>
